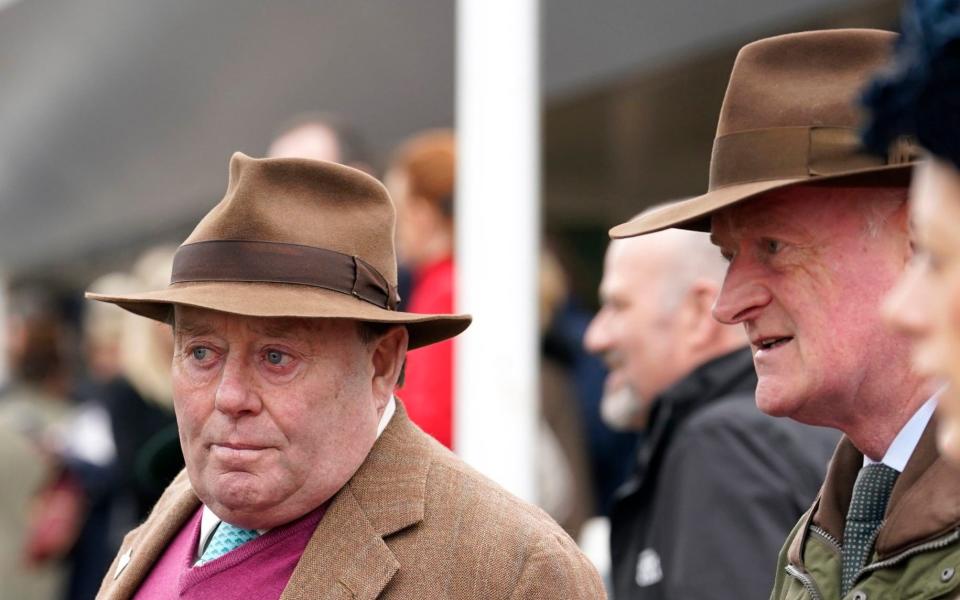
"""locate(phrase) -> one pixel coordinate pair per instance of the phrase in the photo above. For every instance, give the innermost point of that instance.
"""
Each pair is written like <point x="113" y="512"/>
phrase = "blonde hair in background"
<point x="146" y="345"/>
<point x="104" y="322"/>
<point x="103" y="328"/>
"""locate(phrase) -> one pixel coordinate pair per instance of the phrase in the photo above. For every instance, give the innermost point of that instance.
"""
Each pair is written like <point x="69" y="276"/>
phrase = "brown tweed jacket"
<point x="413" y="522"/>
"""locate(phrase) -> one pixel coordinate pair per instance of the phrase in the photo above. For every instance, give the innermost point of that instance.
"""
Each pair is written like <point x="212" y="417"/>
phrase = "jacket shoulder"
<point x="510" y="546"/>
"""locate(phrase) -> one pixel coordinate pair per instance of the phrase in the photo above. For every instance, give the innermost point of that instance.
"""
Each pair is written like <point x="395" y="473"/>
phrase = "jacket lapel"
<point x="347" y="556"/>
<point x="143" y="548"/>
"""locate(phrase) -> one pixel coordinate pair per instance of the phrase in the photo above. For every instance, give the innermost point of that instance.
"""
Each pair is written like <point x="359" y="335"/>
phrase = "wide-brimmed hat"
<point x="293" y="238"/>
<point x="790" y="116"/>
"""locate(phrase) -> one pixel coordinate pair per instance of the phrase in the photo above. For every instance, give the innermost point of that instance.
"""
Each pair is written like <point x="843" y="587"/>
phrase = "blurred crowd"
<point x="89" y="433"/>
<point x="805" y="370"/>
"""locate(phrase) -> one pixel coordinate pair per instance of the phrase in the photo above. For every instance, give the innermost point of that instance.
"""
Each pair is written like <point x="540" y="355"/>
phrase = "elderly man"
<point x="816" y="234"/>
<point x="717" y="484"/>
<point x="304" y="476"/>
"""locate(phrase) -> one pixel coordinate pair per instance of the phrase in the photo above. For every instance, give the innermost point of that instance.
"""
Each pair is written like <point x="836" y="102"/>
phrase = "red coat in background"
<point x="428" y="390"/>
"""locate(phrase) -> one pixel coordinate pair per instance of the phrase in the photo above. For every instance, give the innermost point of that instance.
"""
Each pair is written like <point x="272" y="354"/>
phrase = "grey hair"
<point x="886" y="202"/>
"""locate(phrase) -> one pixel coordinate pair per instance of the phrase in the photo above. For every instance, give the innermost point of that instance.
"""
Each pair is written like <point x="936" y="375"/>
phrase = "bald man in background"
<point x="717" y="484"/>
<point x="321" y="136"/>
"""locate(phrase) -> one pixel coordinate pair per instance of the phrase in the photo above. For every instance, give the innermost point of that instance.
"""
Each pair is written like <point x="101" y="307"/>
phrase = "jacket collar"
<point x="923" y="504"/>
<point x="138" y="556"/>
<point x="722" y="376"/>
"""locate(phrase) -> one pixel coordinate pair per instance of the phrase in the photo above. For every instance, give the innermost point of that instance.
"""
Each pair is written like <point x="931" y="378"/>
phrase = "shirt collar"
<point x="209" y="521"/>
<point x="906" y="441"/>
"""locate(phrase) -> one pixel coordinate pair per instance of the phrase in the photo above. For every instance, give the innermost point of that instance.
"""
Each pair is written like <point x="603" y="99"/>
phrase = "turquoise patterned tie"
<point x="867" y="507"/>
<point x="224" y="539"/>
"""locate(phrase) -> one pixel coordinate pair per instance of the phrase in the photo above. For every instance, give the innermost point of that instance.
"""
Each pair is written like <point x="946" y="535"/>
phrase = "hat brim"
<point x="285" y="300"/>
<point x="694" y="213"/>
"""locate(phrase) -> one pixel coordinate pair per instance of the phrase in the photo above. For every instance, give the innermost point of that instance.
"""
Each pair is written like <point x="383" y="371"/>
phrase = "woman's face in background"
<point x="926" y="303"/>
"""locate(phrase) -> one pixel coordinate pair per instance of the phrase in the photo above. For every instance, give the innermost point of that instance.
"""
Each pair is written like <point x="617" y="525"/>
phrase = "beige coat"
<point x="413" y="522"/>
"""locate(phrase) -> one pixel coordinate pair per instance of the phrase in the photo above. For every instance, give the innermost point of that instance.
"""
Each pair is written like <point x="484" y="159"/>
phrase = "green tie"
<point x="224" y="539"/>
<point x="867" y="507"/>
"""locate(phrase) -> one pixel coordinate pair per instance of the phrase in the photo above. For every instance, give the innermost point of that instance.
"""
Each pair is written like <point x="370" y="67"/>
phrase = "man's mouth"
<point x="239" y="446"/>
<point x="769" y="343"/>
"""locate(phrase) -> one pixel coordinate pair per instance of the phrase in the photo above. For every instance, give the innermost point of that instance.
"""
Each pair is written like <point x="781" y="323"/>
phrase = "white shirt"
<point x="906" y="441"/>
<point x="209" y="521"/>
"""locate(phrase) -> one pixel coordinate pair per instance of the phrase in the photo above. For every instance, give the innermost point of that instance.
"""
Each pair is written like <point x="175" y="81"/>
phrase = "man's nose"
<point x="235" y="394"/>
<point x="742" y="296"/>
<point x="595" y="339"/>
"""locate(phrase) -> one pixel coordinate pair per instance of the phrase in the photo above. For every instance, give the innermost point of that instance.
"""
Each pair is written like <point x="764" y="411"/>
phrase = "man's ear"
<point x="389" y="354"/>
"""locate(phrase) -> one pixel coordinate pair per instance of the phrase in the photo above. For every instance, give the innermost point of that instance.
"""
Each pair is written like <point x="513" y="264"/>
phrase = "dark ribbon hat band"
<point x="275" y="262"/>
<point x="796" y="152"/>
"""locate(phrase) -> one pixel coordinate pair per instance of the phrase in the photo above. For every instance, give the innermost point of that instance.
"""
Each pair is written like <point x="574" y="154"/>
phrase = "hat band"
<point x="276" y="262"/>
<point x="795" y="153"/>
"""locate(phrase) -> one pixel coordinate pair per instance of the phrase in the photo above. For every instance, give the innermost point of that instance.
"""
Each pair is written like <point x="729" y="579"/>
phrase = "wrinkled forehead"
<point x="806" y="211"/>
<point x="760" y="216"/>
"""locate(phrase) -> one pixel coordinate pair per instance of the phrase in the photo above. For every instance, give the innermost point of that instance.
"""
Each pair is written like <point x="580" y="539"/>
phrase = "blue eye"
<point x="200" y="353"/>
<point x="772" y="246"/>
<point x="275" y="357"/>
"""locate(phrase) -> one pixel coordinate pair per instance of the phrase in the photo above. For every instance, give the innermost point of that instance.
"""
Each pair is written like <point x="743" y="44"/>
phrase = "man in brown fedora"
<point x="304" y="476"/>
<point x="816" y="233"/>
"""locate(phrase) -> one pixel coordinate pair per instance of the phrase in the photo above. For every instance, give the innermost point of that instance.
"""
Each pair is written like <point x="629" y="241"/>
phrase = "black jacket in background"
<point x="717" y="487"/>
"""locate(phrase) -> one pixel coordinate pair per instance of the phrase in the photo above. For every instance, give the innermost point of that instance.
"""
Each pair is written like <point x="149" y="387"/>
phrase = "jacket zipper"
<point x="806" y="581"/>
<point x="932" y="545"/>
<point x="832" y="541"/>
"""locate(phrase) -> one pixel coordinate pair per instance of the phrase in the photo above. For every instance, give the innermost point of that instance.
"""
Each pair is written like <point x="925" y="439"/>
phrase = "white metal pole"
<point x="498" y="238"/>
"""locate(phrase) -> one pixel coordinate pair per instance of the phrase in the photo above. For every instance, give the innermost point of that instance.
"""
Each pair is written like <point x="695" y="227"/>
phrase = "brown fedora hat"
<point x="293" y="238"/>
<point x="790" y="116"/>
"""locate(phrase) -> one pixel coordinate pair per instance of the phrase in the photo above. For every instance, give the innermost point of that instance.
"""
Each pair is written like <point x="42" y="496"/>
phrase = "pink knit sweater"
<point x="258" y="569"/>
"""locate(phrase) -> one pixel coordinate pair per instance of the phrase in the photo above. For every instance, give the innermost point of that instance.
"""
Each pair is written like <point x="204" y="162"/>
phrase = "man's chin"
<point x="774" y="400"/>
<point x="237" y="493"/>
<point x="623" y="410"/>
<point x="243" y="514"/>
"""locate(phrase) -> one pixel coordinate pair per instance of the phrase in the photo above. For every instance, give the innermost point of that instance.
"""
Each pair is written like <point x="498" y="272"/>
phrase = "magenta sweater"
<point x="258" y="569"/>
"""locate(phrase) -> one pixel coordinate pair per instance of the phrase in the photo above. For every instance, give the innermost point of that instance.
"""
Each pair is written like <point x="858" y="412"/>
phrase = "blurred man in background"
<point x="321" y="136"/>
<point x="717" y="484"/>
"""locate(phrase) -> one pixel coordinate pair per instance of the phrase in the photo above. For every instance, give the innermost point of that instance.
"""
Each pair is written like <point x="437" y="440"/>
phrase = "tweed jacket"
<point x="917" y="549"/>
<point x="413" y="522"/>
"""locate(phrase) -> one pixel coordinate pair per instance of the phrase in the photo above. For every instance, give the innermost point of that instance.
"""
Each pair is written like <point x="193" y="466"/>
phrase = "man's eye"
<point x="200" y="353"/>
<point x="275" y="357"/>
<point x="772" y="246"/>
